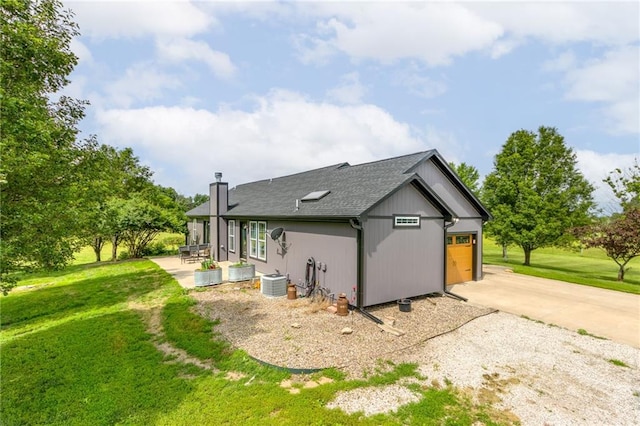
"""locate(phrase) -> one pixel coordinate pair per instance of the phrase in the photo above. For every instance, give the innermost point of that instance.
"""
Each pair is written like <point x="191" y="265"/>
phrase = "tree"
<point x="120" y="176"/>
<point x="535" y="191"/>
<point x="44" y="171"/>
<point x="626" y="185"/>
<point x="619" y="238"/>
<point x="468" y="175"/>
<point x="139" y="219"/>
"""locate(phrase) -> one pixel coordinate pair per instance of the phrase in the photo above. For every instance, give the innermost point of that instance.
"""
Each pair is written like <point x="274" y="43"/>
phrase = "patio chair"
<point x="184" y="253"/>
<point x="194" y="253"/>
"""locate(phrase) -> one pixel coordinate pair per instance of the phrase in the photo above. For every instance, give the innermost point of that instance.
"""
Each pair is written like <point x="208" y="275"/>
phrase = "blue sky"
<point x="260" y="89"/>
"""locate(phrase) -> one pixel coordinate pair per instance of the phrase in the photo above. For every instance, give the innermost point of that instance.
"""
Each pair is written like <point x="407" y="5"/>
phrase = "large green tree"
<point x="44" y="169"/>
<point x="469" y="175"/>
<point x="535" y="191"/>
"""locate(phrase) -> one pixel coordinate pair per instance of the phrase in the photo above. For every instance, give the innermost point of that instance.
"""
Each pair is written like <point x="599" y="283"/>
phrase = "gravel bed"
<point x="300" y="335"/>
<point x="544" y="375"/>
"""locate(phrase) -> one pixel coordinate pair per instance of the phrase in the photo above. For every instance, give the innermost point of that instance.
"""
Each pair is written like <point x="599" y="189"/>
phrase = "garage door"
<point x="459" y="258"/>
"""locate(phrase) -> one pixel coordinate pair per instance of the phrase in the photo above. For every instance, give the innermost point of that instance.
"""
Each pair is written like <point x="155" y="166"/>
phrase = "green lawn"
<point x="591" y="267"/>
<point x="77" y="349"/>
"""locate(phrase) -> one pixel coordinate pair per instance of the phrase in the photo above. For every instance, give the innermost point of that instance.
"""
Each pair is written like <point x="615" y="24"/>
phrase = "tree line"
<point x="58" y="192"/>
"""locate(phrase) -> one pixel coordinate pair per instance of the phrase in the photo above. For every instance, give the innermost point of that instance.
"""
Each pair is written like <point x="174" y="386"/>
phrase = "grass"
<point x="583" y="332"/>
<point x="591" y="267"/>
<point x="77" y="348"/>
<point x="87" y="255"/>
<point x="618" y="363"/>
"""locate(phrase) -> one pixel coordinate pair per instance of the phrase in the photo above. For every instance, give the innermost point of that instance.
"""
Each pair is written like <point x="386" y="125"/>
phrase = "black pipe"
<point x="457" y="296"/>
<point x="366" y="314"/>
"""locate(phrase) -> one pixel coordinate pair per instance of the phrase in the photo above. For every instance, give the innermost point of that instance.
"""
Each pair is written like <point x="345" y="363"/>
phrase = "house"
<point x="379" y="232"/>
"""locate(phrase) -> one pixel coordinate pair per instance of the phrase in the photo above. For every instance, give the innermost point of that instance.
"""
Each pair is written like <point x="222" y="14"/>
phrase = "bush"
<point x="156" y="249"/>
<point x="124" y="255"/>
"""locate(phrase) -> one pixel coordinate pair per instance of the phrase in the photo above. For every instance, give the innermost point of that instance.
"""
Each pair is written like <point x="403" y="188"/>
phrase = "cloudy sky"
<point x="259" y="89"/>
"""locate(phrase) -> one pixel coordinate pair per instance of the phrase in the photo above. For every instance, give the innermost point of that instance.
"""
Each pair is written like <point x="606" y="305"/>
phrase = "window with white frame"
<point x="232" y="236"/>
<point x="258" y="240"/>
<point x="406" y="221"/>
<point x="253" y="239"/>
<point x="262" y="240"/>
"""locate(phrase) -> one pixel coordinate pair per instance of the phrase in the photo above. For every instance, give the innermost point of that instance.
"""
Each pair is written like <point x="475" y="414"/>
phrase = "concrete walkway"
<point x="183" y="271"/>
<point x="607" y="313"/>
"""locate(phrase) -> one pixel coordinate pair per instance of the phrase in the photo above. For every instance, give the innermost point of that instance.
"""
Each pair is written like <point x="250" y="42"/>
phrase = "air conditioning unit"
<point x="273" y="285"/>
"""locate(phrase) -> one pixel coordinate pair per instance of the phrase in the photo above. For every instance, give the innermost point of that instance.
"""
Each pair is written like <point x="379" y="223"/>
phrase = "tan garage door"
<point x="459" y="258"/>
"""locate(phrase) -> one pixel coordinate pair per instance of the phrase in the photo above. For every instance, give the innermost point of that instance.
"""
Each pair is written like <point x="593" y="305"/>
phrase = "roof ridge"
<point x="332" y="166"/>
<point x="394" y="158"/>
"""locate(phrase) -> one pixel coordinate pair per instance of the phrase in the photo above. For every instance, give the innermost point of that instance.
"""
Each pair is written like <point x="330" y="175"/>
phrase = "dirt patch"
<point x="151" y="315"/>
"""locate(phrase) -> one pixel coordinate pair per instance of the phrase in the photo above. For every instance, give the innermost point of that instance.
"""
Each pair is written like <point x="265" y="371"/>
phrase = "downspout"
<point x="355" y="224"/>
<point x="444" y="279"/>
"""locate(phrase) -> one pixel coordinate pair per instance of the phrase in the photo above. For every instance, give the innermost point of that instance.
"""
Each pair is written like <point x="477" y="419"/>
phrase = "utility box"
<point x="273" y="285"/>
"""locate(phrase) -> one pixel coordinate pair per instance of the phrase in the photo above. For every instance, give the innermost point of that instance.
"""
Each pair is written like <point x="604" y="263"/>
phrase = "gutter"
<point x="444" y="280"/>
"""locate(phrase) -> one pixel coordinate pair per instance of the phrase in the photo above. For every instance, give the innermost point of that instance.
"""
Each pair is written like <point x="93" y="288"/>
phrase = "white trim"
<point x="406" y="221"/>
<point x="232" y="236"/>
<point x="258" y="240"/>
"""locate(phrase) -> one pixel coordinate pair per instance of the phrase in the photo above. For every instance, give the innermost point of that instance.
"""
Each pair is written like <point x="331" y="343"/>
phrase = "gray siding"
<point x="442" y="186"/>
<point x="402" y="262"/>
<point x="406" y="200"/>
<point x="199" y="232"/>
<point x="333" y="244"/>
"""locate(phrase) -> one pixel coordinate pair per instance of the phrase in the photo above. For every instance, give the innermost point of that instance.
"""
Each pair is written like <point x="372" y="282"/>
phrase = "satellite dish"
<point x="276" y="233"/>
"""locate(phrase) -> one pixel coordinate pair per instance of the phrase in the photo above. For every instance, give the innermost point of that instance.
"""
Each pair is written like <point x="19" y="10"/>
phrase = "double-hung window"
<point x="232" y="236"/>
<point x="258" y="240"/>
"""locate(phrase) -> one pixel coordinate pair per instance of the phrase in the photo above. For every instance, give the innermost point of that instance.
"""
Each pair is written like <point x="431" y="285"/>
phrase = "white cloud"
<point x="613" y="80"/>
<point x="596" y="166"/>
<point x="131" y="19"/>
<point x="350" y="91"/>
<point x="283" y="133"/>
<point x="180" y="50"/>
<point x="388" y="32"/>
<point x="558" y="23"/>
<point x="141" y="82"/>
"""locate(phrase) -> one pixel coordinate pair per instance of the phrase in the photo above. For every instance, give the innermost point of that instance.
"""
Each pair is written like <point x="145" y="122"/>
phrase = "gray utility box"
<point x="273" y="285"/>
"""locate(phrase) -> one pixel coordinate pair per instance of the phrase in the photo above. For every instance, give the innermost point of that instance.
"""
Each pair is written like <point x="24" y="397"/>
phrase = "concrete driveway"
<point x="606" y="313"/>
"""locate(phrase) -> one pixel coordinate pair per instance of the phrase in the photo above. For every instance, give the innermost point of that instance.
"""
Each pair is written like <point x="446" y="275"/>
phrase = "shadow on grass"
<point x="100" y="370"/>
<point x="112" y="286"/>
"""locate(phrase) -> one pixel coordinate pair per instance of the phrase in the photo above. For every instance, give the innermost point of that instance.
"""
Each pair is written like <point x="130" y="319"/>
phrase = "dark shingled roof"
<point x="354" y="190"/>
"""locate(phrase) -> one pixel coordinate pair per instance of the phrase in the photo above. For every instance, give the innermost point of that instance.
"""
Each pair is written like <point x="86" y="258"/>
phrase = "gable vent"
<point x="315" y="196"/>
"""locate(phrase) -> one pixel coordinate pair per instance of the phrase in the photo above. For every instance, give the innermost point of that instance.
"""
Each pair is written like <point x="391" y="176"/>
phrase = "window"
<point x="232" y="236"/>
<point x="258" y="240"/>
<point x="462" y="239"/>
<point x="262" y="240"/>
<point x="449" y="241"/>
<point x="406" y="221"/>
<point x="253" y="239"/>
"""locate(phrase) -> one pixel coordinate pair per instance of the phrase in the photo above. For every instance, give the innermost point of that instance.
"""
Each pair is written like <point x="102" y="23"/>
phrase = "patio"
<point x="183" y="271"/>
